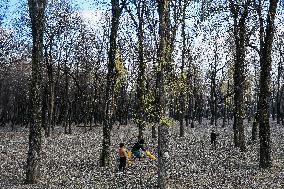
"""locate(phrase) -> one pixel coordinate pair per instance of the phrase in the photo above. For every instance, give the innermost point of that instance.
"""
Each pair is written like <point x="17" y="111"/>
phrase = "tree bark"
<point x="278" y="94"/>
<point x="164" y="58"/>
<point x="239" y="79"/>
<point x="108" y="110"/>
<point x="213" y="86"/>
<point x="182" y="95"/>
<point x="66" y="98"/>
<point x="264" y="93"/>
<point x="254" y="130"/>
<point x="141" y="74"/>
<point x="50" y="100"/>
<point x="36" y="10"/>
<point x="239" y="70"/>
<point x="44" y="110"/>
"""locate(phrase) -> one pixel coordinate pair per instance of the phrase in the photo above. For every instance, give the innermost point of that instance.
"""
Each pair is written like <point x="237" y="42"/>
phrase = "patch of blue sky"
<point x="85" y="7"/>
<point x="12" y="12"/>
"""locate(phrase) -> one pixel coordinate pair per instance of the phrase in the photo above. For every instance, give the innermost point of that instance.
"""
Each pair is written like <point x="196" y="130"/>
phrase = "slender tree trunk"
<point x="55" y="105"/>
<point x="254" y="130"/>
<point x="224" y="113"/>
<point x="66" y="98"/>
<point x="278" y="96"/>
<point x="141" y="73"/>
<point x="44" y="110"/>
<point x="36" y="10"/>
<point x="272" y="102"/>
<point x="182" y="95"/>
<point x="281" y="101"/>
<point x="70" y="120"/>
<point x="194" y="106"/>
<point x="213" y="89"/>
<point x="108" y="110"/>
<point x="154" y="133"/>
<point x="51" y="99"/>
<point x="164" y="57"/>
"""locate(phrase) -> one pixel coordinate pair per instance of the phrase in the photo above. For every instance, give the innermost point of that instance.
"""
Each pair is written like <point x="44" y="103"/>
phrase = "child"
<point x="136" y="149"/>
<point x="213" y="137"/>
<point x="122" y="157"/>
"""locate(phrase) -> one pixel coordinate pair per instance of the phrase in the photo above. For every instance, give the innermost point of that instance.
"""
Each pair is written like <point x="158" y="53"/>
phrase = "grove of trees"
<point x="142" y="63"/>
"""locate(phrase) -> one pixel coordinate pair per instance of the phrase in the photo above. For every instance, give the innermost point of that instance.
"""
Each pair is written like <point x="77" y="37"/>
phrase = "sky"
<point x="11" y="11"/>
<point x="90" y="9"/>
<point x="83" y="4"/>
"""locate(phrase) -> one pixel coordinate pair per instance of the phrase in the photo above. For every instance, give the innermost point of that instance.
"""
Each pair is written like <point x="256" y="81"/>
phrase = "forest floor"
<point x="71" y="161"/>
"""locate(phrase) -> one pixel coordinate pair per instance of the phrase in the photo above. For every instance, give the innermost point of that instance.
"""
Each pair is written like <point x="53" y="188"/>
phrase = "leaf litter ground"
<point x="71" y="161"/>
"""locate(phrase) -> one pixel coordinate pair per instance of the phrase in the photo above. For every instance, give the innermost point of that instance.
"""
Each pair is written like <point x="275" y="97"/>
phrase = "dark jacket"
<point x="137" y="146"/>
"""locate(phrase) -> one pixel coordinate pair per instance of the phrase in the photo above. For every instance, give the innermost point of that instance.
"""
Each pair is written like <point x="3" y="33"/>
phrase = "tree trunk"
<point x="154" y="133"/>
<point x="264" y="93"/>
<point x="182" y="95"/>
<point x="164" y="58"/>
<point x="108" y="110"/>
<point x="278" y="95"/>
<point x="239" y="79"/>
<point x="254" y="130"/>
<point x="239" y="71"/>
<point x="213" y="95"/>
<point x="272" y="104"/>
<point x="70" y="121"/>
<point x="224" y="113"/>
<point x="66" y="98"/>
<point x="44" y="110"/>
<point x="141" y="74"/>
<point x="50" y="100"/>
<point x="36" y="10"/>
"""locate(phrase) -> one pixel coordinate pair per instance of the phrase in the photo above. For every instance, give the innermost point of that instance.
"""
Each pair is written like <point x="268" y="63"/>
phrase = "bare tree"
<point x="182" y="95"/>
<point x="164" y="57"/>
<point x="140" y="6"/>
<point x="108" y="110"/>
<point x="266" y="40"/>
<point x="36" y="9"/>
<point x="240" y="13"/>
<point x="279" y="77"/>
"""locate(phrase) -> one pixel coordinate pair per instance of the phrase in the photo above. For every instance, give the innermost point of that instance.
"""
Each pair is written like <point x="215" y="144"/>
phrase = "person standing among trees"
<point x="122" y="157"/>
<point x="213" y="137"/>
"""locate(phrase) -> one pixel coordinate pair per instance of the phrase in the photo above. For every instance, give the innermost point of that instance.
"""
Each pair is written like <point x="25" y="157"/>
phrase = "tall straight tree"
<point x="108" y="110"/>
<point x="239" y="10"/>
<point x="141" y="73"/>
<point x="279" y="76"/>
<point x="36" y="10"/>
<point x="266" y="41"/>
<point x="140" y="6"/>
<point x="182" y="95"/>
<point x="164" y="57"/>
